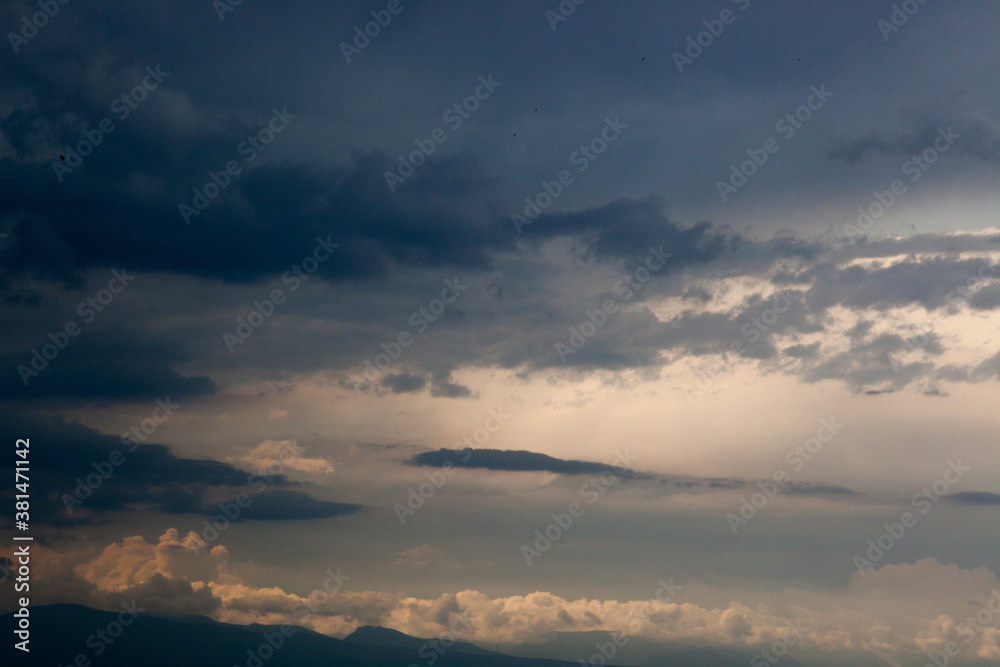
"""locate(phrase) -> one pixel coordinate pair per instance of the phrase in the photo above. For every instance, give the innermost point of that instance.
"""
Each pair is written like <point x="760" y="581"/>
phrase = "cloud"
<point x="167" y="597"/>
<point x="152" y="476"/>
<point x="274" y="215"/>
<point x="115" y="363"/>
<point x="871" y="362"/>
<point x="976" y="138"/>
<point x="810" y="351"/>
<point x="975" y="498"/>
<point x="402" y="383"/>
<point x="988" y="368"/>
<point x="135" y="562"/>
<point x="281" y="505"/>
<point x="264" y="221"/>
<point x="627" y="228"/>
<point x="518" y="330"/>
<point x="896" y="611"/>
<point x="443" y="387"/>
<point x="511" y="461"/>
<point x="277" y="455"/>
<point x="806" y="489"/>
<point x="524" y="461"/>
<point x="932" y="282"/>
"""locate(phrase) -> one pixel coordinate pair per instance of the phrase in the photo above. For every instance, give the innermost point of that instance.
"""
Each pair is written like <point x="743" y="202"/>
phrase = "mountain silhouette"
<point x="373" y="635"/>
<point x="61" y="632"/>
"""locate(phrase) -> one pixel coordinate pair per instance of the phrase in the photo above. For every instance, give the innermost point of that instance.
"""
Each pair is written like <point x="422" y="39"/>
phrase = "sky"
<point x="510" y="309"/>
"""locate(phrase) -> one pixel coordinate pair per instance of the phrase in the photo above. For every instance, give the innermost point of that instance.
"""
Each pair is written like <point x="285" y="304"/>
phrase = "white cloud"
<point x="283" y="453"/>
<point x="897" y="609"/>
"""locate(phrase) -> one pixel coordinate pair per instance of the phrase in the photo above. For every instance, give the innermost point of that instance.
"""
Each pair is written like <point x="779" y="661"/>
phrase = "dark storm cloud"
<point x="627" y="341"/>
<point x="987" y="298"/>
<point x="524" y="461"/>
<point x="975" y="498"/>
<point x="626" y="229"/>
<point x="507" y="460"/>
<point x="872" y="362"/>
<point x="975" y="139"/>
<point x="439" y="381"/>
<point x="933" y="243"/>
<point x="450" y="390"/>
<point x="293" y="506"/>
<point x="402" y="383"/>
<point x="70" y="459"/>
<point x="805" y="489"/>
<point x="697" y="294"/>
<point x="120" y="206"/>
<point x="802" y="351"/>
<point x="938" y="279"/>
<point x="988" y="369"/>
<point x="935" y="276"/>
<point x="118" y="363"/>
<point x="944" y="280"/>
<point x="264" y="224"/>
<point x="636" y="338"/>
<point x="929" y="282"/>
<point x="852" y="150"/>
<point x="708" y="333"/>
